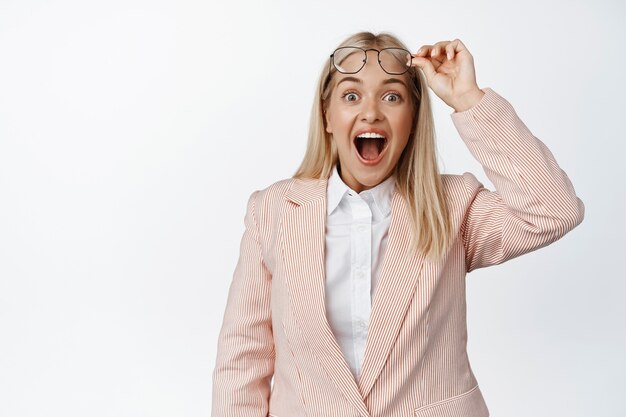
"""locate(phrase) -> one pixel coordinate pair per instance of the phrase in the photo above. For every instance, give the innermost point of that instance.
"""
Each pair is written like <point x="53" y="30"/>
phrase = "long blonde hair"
<point x="417" y="175"/>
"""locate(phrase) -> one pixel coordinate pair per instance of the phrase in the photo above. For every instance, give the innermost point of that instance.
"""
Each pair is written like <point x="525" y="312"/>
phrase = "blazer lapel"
<point x="397" y="282"/>
<point x="303" y="239"/>
<point x="302" y="236"/>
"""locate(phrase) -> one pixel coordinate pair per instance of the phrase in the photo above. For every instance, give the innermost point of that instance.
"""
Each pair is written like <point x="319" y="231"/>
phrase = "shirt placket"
<point x="361" y="244"/>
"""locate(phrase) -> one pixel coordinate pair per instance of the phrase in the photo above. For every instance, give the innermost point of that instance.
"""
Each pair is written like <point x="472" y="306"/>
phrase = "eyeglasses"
<point x="351" y="59"/>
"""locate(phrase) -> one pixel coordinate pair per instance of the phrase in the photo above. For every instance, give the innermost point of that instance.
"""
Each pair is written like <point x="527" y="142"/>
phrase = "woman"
<point x="350" y="286"/>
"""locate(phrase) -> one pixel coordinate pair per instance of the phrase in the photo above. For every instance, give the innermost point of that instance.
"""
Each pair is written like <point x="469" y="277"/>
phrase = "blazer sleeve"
<point x="534" y="203"/>
<point x="245" y="349"/>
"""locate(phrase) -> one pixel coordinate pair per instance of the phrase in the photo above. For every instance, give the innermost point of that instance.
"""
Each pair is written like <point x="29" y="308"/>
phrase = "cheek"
<point x="402" y="122"/>
<point x="343" y="116"/>
<point x="406" y="122"/>
<point x="404" y="129"/>
<point x="342" y="123"/>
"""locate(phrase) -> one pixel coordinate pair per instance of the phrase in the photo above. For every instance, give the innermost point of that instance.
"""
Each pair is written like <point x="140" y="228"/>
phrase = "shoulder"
<point x="460" y="189"/>
<point x="274" y="192"/>
<point x="267" y="200"/>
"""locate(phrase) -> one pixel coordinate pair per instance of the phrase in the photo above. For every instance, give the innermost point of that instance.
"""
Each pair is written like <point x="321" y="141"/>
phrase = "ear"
<point x="329" y="128"/>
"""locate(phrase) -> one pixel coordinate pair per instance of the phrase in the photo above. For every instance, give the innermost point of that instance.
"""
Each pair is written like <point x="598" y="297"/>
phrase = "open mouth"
<point x="370" y="146"/>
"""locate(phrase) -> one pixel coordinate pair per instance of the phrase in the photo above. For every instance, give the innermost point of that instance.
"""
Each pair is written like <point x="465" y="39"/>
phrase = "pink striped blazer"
<point x="415" y="362"/>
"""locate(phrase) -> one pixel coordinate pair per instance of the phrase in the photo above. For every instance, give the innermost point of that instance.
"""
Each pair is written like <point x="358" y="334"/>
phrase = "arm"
<point x="245" y="350"/>
<point x="534" y="203"/>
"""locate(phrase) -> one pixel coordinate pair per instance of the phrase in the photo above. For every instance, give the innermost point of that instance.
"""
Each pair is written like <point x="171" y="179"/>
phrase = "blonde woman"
<point x="348" y="299"/>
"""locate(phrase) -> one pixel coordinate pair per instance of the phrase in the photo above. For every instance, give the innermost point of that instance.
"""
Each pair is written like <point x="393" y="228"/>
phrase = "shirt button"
<point x="361" y="228"/>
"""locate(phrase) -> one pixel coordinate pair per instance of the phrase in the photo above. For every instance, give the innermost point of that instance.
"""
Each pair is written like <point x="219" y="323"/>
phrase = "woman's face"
<point x="369" y="101"/>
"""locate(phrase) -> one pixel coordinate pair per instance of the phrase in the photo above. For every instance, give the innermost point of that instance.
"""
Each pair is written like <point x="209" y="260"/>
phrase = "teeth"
<point x="370" y="135"/>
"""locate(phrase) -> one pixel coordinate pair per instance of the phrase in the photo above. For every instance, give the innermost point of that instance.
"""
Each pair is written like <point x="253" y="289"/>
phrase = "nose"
<point x="371" y="110"/>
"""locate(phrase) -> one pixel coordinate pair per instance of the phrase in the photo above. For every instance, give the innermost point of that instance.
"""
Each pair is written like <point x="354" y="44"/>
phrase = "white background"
<point x="133" y="132"/>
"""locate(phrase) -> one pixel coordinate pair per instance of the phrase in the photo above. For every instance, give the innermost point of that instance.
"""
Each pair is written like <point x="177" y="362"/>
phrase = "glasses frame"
<point x="332" y="60"/>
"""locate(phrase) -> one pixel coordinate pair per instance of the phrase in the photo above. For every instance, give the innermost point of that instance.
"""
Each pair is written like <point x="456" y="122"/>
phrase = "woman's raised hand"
<point x="449" y="70"/>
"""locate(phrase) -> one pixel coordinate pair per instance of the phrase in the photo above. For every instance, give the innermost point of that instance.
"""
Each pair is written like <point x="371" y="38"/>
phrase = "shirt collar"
<point x="336" y="190"/>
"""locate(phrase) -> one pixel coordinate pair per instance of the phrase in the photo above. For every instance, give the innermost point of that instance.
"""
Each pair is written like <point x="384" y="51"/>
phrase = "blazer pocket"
<point x="468" y="404"/>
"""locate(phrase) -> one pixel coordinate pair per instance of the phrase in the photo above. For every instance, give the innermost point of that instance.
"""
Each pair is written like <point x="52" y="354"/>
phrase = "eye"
<point x="396" y="95"/>
<point x="347" y="94"/>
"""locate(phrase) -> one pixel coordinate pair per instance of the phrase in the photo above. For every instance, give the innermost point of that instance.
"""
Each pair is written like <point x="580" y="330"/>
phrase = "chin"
<point x="372" y="178"/>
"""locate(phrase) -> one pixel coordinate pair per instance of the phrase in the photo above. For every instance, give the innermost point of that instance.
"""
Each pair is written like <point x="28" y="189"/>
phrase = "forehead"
<point x="396" y="80"/>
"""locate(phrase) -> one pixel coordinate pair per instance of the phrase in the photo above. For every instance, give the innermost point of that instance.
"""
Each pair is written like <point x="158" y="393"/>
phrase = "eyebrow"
<point x="387" y="81"/>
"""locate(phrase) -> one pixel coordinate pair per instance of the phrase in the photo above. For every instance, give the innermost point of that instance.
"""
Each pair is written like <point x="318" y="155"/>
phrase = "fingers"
<point x="454" y="48"/>
<point x="427" y="53"/>
<point x="424" y="51"/>
<point x="438" y="48"/>
<point x="427" y="67"/>
<point x="437" y="51"/>
<point x="430" y="57"/>
<point x="450" y="51"/>
<point x="431" y="50"/>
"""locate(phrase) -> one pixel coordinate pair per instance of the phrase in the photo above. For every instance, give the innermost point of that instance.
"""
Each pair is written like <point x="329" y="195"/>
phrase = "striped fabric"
<point x="415" y="361"/>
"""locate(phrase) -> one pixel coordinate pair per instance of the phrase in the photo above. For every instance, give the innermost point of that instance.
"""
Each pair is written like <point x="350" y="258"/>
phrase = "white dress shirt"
<point x="356" y="238"/>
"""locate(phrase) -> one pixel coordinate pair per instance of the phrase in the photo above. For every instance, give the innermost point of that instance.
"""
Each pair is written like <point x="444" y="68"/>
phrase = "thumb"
<point x="426" y="66"/>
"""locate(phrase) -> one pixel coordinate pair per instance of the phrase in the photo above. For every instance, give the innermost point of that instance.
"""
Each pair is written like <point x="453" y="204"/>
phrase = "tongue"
<point x="369" y="150"/>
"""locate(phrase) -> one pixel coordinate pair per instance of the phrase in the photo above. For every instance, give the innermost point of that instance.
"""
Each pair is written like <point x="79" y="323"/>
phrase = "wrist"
<point x="468" y="100"/>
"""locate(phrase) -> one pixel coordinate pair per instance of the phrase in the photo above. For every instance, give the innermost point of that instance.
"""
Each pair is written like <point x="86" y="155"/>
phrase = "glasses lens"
<point x="393" y="60"/>
<point x="349" y="59"/>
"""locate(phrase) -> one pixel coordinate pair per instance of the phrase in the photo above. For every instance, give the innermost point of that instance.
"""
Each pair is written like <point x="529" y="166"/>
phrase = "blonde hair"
<point x="417" y="175"/>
